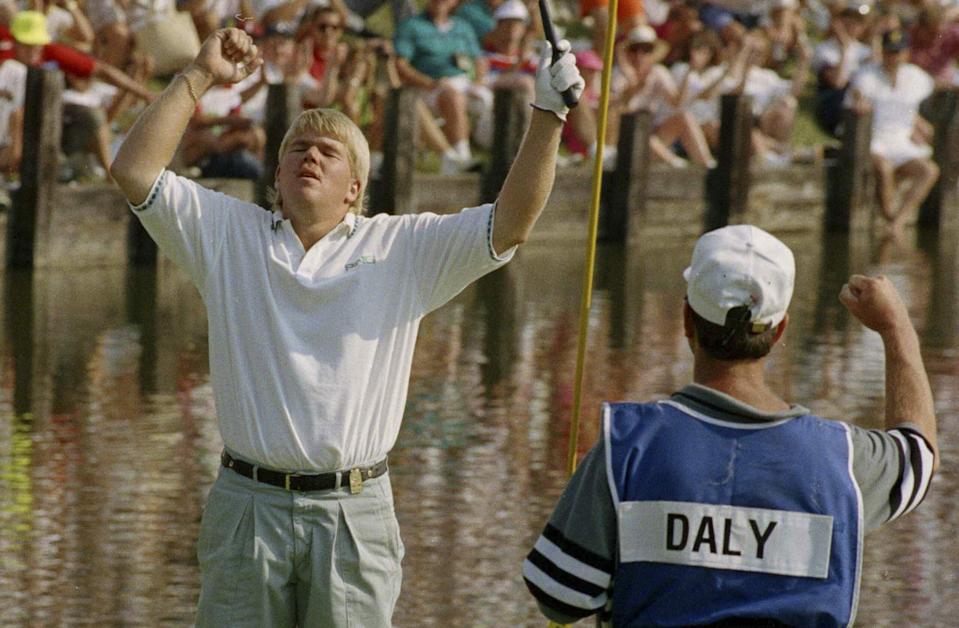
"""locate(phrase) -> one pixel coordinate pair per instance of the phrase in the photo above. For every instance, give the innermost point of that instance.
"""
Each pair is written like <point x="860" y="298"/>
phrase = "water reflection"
<point x="107" y="438"/>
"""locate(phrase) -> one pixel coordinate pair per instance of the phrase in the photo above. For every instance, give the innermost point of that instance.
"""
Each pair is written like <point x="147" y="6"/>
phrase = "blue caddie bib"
<point x="719" y="520"/>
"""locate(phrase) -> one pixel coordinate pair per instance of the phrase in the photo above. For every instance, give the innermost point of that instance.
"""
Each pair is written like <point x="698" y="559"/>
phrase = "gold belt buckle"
<point x="356" y="481"/>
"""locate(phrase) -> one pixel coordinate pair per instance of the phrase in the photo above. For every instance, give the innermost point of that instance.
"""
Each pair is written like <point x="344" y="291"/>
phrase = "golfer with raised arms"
<point x="313" y="313"/>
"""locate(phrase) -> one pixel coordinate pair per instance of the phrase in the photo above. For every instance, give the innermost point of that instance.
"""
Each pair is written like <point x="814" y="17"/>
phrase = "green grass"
<point x="806" y="132"/>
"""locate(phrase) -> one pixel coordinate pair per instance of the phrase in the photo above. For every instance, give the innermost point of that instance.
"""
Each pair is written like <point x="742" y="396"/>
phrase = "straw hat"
<point x="30" y="28"/>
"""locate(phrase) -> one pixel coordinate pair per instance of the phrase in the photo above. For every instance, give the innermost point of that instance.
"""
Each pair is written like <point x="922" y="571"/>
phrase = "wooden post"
<point x="19" y="329"/>
<point x="848" y="181"/>
<point x="511" y="117"/>
<point x="283" y="105"/>
<point x="29" y="220"/>
<point x="142" y="307"/>
<point x="141" y="249"/>
<point x="628" y="181"/>
<point x="393" y="192"/>
<point x="727" y="185"/>
<point x="941" y="111"/>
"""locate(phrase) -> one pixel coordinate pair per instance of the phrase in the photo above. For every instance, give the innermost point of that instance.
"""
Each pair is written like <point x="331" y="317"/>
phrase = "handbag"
<point x="171" y="39"/>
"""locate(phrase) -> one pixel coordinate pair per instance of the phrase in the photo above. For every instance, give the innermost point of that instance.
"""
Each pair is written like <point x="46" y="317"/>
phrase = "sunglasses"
<point x="328" y="27"/>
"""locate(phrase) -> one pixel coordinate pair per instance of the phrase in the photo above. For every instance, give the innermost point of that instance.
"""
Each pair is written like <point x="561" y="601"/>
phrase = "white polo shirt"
<point x="310" y="351"/>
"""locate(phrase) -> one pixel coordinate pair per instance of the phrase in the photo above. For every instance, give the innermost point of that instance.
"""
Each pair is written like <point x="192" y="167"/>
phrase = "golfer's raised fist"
<point x="228" y="56"/>
<point x="876" y="303"/>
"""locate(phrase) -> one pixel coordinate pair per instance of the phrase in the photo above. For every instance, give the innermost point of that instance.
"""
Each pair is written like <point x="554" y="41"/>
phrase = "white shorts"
<point x="899" y="149"/>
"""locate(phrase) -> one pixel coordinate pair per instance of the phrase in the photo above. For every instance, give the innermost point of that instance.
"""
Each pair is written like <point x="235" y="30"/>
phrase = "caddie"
<point x="725" y="505"/>
<point x="313" y="312"/>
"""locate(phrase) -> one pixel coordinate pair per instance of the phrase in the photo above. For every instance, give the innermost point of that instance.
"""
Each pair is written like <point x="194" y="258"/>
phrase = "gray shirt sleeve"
<point x="893" y="469"/>
<point x="569" y="571"/>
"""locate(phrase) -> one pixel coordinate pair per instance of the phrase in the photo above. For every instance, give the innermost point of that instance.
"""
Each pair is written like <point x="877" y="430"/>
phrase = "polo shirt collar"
<point x="721" y="406"/>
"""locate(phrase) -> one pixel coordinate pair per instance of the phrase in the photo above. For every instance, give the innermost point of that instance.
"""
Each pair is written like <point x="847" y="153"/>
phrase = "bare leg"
<point x="114" y="76"/>
<point x="885" y="186"/>
<point x="711" y="133"/>
<point x="12" y="153"/>
<point x="659" y="149"/>
<point x="430" y="133"/>
<point x="683" y="126"/>
<point x="452" y="107"/>
<point x="101" y="146"/>
<point x="922" y="175"/>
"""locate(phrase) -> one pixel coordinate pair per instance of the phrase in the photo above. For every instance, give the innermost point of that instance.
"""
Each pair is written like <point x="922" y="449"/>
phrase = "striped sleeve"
<point x="894" y="470"/>
<point x="565" y="577"/>
<point x="915" y="471"/>
<point x="569" y="570"/>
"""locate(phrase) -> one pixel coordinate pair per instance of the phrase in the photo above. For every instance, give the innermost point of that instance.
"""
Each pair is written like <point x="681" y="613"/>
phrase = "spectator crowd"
<point x="673" y="58"/>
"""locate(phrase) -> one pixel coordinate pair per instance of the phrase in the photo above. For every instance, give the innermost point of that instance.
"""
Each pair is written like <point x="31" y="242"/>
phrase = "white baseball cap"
<point x="740" y="265"/>
<point x="643" y="34"/>
<point x="511" y="10"/>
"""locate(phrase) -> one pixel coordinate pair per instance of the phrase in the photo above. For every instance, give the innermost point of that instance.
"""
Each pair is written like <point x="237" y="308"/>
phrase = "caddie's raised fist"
<point x="555" y="77"/>
<point x="228" y="56"/>
<point x="875" y="302"/>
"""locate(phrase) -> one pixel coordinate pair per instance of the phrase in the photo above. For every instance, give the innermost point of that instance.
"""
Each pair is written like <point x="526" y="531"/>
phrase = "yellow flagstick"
<point x="587" y="298"/>
<point x="586" y="301"/>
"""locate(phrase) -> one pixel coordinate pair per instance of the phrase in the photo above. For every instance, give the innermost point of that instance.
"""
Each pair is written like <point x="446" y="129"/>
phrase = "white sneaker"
<point x="610" y="154"/>
<point x="455" y="164"/>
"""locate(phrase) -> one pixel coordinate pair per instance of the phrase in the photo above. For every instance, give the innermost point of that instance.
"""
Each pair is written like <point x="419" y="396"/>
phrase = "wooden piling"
<point x="511" y="113"/>
<point x="393" y="191"/>
<point x="627" y="183"/>
<point x="283" y="105"/>
<point x="29" y="220"/>
<point x="941" y="112"/>
<point x="849" y="176"/>
<point x="727" y="185"/>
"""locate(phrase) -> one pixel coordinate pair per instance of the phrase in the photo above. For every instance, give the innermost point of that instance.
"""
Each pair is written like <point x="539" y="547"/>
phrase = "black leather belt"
<point x="353" y="478"/>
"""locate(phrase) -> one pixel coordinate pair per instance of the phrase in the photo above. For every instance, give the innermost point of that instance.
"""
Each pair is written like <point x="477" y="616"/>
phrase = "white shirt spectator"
<point x="765" y="86"/>
<point x="655" y="94"/>
<point x="703" y="109"/>
<point x="13" y="87"/>
<point x="895" y="108"/>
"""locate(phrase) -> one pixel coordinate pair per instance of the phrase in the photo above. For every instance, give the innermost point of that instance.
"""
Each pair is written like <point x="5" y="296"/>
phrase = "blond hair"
<point x="337" y="125"/>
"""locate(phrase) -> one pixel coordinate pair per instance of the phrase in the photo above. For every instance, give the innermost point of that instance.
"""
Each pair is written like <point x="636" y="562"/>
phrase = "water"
<point x="108" y="443"/>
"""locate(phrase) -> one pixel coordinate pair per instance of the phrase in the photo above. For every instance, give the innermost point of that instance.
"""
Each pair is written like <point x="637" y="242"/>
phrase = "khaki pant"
<point x="271" y="557"/>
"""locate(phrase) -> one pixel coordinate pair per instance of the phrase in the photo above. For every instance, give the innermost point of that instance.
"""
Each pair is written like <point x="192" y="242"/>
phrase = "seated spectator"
<point x="643" y="84"/>
<point x="439" y="53"/>
<point x="786" y="32"/>
<point x="510" y="62"/>
<point x="220" y="141"/>
<point x="67" y="23"/>
<point x="680" y="26"/>
<point x="774" y="100"/>
<point x="323" y="29"/>
<point x="13" y="85"/>
<point x="836" y="59"/>
<point x="68" y="59"/>
<point x="702" y="78"/>
<point x="116" y="22"/>
<point x="892" y="90"/>
<point x="935" y="46"/>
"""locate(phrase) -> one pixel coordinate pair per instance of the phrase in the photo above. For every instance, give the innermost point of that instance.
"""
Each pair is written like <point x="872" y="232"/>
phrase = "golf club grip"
<point x="569" y="98"/>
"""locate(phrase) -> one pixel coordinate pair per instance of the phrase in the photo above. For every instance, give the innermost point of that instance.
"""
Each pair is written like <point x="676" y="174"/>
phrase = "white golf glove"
<point x="552" y="79"/>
